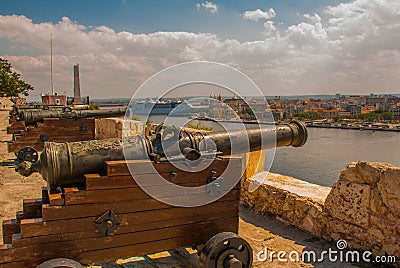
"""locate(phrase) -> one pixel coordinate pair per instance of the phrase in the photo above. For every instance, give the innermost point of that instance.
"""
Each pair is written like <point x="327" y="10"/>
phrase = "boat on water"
<point x="171" y="108"/>
<point x="150" y="106"/>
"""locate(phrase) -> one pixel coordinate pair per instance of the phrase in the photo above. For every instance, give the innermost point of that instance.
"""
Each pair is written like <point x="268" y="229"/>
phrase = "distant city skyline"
<point x="303" y="48"/>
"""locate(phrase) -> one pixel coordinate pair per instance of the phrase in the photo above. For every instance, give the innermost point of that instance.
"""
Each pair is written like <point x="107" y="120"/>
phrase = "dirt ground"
<point x="260" y="231"/>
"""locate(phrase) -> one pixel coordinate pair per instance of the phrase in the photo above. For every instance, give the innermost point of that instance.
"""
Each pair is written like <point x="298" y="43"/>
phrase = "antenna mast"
<point x="51" y="63"/>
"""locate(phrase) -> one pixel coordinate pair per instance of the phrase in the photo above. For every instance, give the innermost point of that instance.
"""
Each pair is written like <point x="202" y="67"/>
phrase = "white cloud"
<point x="259" y="14"/>
<point x="212" y="7"/>
<point x="270" y="27"/>
<point x="351" y="47"/>
<point x="313" y="18"/>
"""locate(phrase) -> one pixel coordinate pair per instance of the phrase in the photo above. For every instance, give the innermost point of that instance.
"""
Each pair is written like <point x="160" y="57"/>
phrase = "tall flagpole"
<point x="51" y="63"/>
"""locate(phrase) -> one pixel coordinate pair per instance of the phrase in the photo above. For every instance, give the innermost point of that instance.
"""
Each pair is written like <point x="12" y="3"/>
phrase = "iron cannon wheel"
<point x="60" y="263"/>
<point x="226" y="250"/>
<point x="27" y="153"/>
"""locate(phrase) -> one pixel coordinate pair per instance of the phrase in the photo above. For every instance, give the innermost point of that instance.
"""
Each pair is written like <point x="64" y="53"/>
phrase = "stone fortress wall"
<point x="362" y="207"/>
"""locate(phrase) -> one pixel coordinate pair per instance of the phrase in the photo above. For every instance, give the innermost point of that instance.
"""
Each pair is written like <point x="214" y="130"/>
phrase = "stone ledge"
<point x="362" y="206"/>
<point x="295" y="186"/>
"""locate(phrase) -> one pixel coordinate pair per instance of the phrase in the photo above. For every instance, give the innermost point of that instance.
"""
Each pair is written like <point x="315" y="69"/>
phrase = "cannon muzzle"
<point x="65" y="163"/>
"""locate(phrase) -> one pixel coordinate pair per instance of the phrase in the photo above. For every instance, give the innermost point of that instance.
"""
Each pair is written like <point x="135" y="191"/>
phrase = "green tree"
<point x="136" y="117"/>
<point x="94" y="106"/>
<point x="388" y="116"/>
<point x="10" y="83"/>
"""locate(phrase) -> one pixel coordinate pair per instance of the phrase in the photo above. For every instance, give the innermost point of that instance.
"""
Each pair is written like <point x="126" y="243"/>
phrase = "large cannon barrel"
<point x="65" y="163"/>
<point x="37" y="106"/>
<point x="31" y="117"/>
<point x="19" y="109"/>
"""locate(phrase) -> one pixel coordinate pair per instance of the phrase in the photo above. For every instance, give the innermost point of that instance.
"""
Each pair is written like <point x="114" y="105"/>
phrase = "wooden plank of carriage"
<point x="118" y="175"/>
<point x="15" y="147"/>
<point x="121" y="194"/>
<point x="135" y="220"/>
<point x="38" y="145"/>
<point x="137" y="243"/>
<point x="57" y="130"/>
<point x="18" y="241"/>
<point x="53" y="137"/>
<point x="10" y="227"/>
<point x="205" y="229"/>
<point x="56" y="136"/>
<point x="15" y="128"/>
<point x="32" y="208"/>
<point x="51" y="213"/>
<point x="120" y="167"/>
<point x="60" y="129"/>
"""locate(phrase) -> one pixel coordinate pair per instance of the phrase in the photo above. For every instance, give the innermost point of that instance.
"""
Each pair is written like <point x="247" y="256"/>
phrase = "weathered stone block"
<point x="117" y="128"/>
<point x="349" y="202"/>
<point x="377" y="205"/>
<point x="389" y="188"/>
<point x="376" y="233"/>
<point x="363" y="172"/>
<point x="370" y="172"/>
<point x="389" y="227"/>
<point x="391" y="248"/>
<point x="350" y="173"/>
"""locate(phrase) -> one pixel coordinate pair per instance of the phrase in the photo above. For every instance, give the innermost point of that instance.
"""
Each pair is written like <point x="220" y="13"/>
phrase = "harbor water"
<point x="328" y="151"/>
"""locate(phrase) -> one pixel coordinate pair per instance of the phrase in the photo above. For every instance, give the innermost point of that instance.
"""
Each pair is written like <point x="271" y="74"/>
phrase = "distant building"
<point x="5" y="104"/>
<point x="330" y="113"/>
<point x="396" y="111"/>
<point x="77" y="87"/>
<point x="355" y="99"/>
<point x="367" y="110"/>
<point x="239" y="106"/>
<point x="18" y="100"/>
<point x="277" y="113"/>
<point x="54" y="99"/>
<point x="354" y="109"/>
<point x="381" y="102"/>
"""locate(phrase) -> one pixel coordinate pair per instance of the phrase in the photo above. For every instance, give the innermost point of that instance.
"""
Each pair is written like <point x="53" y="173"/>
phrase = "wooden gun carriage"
<point x="111" y="217"/>
<point x="51" y="129"/>
<point x="34" y="127"/>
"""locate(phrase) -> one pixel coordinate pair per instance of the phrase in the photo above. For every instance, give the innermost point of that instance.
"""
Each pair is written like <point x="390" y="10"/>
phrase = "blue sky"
<point x="158" y="15"/>
<point x="287" y="47"/>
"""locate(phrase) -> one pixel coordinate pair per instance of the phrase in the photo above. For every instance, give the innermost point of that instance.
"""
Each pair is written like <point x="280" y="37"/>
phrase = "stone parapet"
<point x="362" y="207"/>
<point x="290" y="200"/>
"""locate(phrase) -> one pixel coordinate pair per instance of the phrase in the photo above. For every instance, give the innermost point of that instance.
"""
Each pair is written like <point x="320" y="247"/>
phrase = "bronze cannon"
<point x="63" y="164"/>
<point x="18" y="109"/>
<point x="31" y="117"/>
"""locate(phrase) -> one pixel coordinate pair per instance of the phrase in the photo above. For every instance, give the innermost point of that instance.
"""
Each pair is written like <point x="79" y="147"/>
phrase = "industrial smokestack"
<point x="77" y="87"/>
